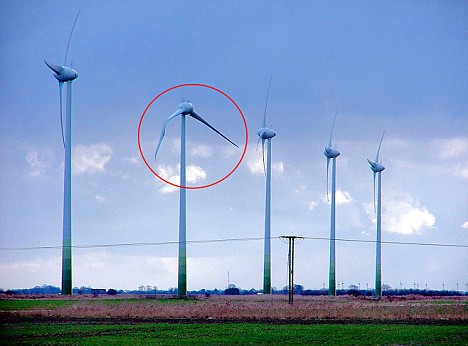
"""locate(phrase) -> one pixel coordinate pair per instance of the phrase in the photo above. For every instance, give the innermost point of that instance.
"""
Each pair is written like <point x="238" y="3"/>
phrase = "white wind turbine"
<point x="266" y="134"/>
<point x="377" y="169"/>
<point x="65" y="74"/>
<point x="332" y="154"/>
<point x="184" y="109"/>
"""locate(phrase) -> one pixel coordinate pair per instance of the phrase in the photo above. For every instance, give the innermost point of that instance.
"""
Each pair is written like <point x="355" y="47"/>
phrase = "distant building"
<point x="97" y="291"/>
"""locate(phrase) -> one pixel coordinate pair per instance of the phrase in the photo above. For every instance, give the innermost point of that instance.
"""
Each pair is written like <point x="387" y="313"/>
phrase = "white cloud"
<point x="168" y="173"/>
<point x="465" y="225"/>
<point x="401" y="214"/>
<point x="30" y="273"/>
<point x="341" y="197"/>
<point x="461" y="170"/>
<point x="194" y="175"/>
<point x="37" y="165"/>
<point x="229" y="151"/>
<point x="92" y="158"/>
<point x="312" y="205"/>
<point x="452" y="147"/>
<point x="132" y="160"/>
<point x="255" y="164"/>
<point x="202" y="151"/>
<point x="301" y="189"/>
<point x="100" y="198"/>
<point x="278" y="166"/>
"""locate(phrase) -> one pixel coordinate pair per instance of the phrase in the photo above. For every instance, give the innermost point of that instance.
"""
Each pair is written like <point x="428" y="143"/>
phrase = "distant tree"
<point x="298" y="289"/>
<point x="111" y="292"/>
<point x="353" y="287"/>
<point x="233" y="291"/>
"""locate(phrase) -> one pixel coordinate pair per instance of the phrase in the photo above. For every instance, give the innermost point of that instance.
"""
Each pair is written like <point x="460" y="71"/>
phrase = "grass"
<point x="27" y="304"/>
<point x="221" y="320"/>
<point x="7" y="305"/>
<point x="230" y="334"/>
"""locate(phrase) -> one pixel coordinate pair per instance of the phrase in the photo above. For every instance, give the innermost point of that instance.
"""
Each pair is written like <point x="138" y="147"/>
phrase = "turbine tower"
<point x="377" y="169"/>
<point x="184" y="109"/>
<point x="66" y="75"/>
<point x="266" y="134"/>
<point x="332" y="154"/>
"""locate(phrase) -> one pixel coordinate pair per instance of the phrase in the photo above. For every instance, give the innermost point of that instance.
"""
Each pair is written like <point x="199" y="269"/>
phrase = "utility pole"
<point x="291" y="241"/>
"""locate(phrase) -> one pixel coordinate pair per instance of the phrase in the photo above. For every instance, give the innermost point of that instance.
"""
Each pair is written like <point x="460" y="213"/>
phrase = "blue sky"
<point x="397" y="66"/>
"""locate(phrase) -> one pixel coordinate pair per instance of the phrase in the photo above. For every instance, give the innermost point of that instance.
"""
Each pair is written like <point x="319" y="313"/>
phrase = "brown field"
<point x="262" y="308"/>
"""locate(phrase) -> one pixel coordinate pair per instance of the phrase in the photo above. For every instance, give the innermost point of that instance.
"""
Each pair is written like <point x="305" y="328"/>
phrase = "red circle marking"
<point x="204" y="86"/>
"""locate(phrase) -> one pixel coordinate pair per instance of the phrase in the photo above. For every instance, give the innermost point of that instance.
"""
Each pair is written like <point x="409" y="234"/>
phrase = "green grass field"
<point x="230" y="334"/>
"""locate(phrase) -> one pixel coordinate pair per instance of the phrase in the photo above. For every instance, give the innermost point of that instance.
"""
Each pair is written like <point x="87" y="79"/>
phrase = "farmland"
<point x="225" y="319"/>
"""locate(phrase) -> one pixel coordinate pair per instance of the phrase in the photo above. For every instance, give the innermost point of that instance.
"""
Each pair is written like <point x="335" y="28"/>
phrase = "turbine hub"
<point x="266" y="133"/>
<point x="186" y="107"/>
<point x="376" y="167"/>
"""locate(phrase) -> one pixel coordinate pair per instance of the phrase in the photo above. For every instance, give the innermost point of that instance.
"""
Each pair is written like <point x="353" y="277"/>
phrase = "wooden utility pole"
<point x="291" y="241"/>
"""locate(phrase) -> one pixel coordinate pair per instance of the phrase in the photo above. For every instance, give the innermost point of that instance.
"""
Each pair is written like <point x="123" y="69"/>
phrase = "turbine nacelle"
<point x="375" y="166"/>
<point x="266" y="133"/>
<point x="186" y="107"/>
<point x="62" y="73"/>
<point x="331" y="153"/>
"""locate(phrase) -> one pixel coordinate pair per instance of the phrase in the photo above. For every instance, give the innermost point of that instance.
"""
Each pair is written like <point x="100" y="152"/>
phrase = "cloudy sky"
<point x="397" y="66"/>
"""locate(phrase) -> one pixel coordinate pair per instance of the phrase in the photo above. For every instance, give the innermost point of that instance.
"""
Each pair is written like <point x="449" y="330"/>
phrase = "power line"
<point x="390" y="242"/>
<point x="208" y="241"/>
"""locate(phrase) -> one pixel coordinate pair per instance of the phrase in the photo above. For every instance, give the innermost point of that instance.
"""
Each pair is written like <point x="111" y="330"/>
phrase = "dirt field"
<point x="262" y="308"/>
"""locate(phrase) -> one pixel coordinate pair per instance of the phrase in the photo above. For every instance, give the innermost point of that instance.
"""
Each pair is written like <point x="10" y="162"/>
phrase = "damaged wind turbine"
<point x="184" y="109"/>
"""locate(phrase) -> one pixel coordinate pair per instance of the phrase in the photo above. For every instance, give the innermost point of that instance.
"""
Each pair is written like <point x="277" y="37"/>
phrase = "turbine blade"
<point x="263" y="155"/>
<point x="61" y="113"/>
<point x="331" y="132"/>
<point x="163" y="131"/>
<point x="328" y="164"/>
<point x="57" y="69"/>
<point x="69" y="38"/>
<point x="378" y="150"/>
<point x="266" y="103"/>
<point x="200" y="119"/>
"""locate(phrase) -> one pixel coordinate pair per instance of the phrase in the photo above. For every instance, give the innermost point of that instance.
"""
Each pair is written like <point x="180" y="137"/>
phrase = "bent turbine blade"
<point x="163" y="131"/>
<point x="258" y="142"/>
<point x="200" y="119"/>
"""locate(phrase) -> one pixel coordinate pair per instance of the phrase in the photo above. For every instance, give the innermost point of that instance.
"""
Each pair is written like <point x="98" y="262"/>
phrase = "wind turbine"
<point x="331" y="153"/>
<point x="377" y="169"/>
<point x="66" y="75"/>
<point x="266" y="134"/>
<point x="184" y="109"/>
